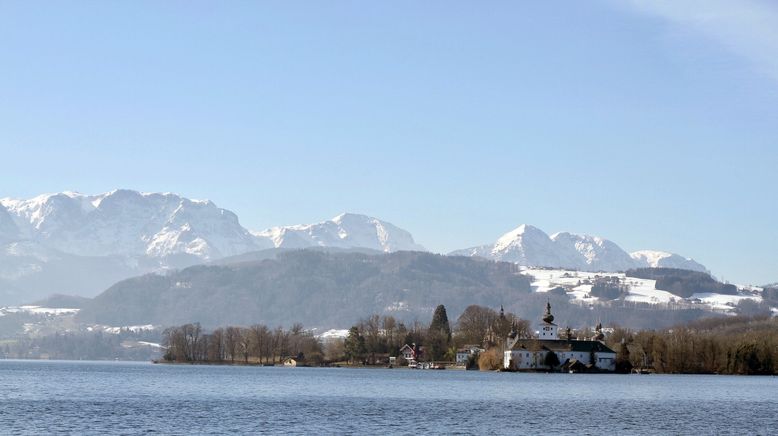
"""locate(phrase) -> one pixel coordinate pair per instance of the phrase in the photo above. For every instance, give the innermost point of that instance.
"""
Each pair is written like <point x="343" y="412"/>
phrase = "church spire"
<point x="598" y="334"/>
<point x="548" y="330"/>
<point x="548" y="317"/>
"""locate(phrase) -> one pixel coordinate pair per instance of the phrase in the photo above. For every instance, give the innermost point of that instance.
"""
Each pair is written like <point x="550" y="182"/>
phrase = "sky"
<point x="654" y="124"/>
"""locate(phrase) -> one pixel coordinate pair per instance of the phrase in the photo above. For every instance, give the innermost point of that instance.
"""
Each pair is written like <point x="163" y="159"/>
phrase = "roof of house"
<point x="561" y="345"/>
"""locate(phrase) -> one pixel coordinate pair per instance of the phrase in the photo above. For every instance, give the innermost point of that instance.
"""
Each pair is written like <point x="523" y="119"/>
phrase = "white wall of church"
<point x="523" y="359"/>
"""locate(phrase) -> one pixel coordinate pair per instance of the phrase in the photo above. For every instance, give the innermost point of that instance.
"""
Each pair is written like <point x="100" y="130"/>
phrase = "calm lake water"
<point x="127" y="398"/>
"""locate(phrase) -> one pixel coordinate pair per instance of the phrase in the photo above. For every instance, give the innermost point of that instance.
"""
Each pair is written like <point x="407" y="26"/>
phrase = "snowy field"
<point x="578" y="285"/>
<point x="37" y="310"/>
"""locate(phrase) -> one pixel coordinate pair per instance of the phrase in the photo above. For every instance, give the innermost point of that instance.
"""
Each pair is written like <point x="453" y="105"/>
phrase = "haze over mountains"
<point x="334" y="289"/>
<point x="71" y="243"/>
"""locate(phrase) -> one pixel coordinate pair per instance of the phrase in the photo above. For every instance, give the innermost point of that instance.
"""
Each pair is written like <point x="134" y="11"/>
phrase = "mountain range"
<point x="72" y="243"/>
<point x="530" y="246"/>
<point x="334" y="288"/>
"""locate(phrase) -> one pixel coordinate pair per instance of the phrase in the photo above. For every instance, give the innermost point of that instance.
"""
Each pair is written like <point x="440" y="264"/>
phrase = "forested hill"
<point x="317" y="288"/>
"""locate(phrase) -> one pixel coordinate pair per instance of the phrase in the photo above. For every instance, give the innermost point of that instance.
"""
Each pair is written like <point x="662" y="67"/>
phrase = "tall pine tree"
<point x="440" y="323"/>
<point x="439" y="333"/>
<point x="354" y="345"/>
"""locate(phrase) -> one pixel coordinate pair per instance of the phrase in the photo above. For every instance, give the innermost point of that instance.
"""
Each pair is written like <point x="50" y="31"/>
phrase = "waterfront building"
<point x="550" y="352"/>
<point x="464" y="353"/>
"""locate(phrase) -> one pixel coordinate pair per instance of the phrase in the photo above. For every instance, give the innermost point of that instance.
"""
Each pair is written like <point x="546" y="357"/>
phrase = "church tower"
<point x="548" y="330"/>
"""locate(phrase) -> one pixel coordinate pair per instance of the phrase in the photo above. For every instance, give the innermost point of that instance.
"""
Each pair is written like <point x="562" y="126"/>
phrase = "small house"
<point x="464" y="353"/>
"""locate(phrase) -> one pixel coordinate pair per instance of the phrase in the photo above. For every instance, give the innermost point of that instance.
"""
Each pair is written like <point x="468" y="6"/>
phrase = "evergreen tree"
<point x="623" y="364"/>
<point x="439" y="334"/>
<point x="355" y="345"/>
<point x="440" y="323"/>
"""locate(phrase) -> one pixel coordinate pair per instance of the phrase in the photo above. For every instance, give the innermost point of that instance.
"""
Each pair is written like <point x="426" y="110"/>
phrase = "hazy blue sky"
<point x="653" y="124"/>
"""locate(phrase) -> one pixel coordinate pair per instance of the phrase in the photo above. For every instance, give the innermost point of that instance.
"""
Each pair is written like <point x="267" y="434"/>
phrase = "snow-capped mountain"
<point x="128" y="223"/>
<point x="530" y="246"/>
<point x="597" y="254"/>
<point x="344" y="231"/>
<point x="80" y="244"/>
<point x="663" y="259"/>
<point x="526" y="245"/>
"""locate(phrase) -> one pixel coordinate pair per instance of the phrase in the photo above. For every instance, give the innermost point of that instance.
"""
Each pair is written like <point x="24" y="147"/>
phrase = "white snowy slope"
<point x="526" y="245"/>
<point x="530" y="246"/>
<point x="344" y="231"/>
<point x="598" y="254"/>
<point x="129" y="223"/>
<point x="577" y="285"/>
<point x="663" y="259"/>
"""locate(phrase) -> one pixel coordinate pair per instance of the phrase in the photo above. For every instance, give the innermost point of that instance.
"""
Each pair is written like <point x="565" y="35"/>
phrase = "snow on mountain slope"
<point x="131" y="223"/>
<point x="201" y="229"/>
<point x="80" y="244"/>
<point x="577" y="286"/>
<point x="8" y="230"/>
<point x="530" y="246"/>
<point x="724" y="303"/>
<point x="526" y="245"/>
<point x="663" y="259"/>
<point x="484" y="251"/>
<point x="598" y="254"/>
<point x="344" y="231"/>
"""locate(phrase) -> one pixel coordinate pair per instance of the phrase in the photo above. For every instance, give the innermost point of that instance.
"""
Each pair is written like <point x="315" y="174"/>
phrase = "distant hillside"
<point x="272" y="253"/>
<point x="683" y="283"/>
<point x="335" y="289"/>
<point x="62" y="301"/>
<point x="316" y="288"/>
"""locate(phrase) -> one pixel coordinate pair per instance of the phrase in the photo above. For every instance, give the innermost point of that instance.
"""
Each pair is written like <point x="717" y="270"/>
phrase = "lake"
<point x="128" y="398"/>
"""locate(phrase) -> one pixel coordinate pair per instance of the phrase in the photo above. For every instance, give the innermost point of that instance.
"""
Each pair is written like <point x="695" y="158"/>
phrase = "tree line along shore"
<point x="720" y="345"/>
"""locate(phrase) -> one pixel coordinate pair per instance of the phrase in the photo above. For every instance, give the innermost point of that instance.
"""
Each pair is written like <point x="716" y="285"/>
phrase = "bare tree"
<point x="231" y="342"/>
<point x="474" y="324"/>
<point x="244" y="343"/>
<point x="216" y="346"/>
<point x="258" y="333"/>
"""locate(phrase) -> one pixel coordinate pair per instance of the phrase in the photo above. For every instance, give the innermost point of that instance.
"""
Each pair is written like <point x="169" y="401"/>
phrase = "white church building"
<point x="549" y="352"/>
